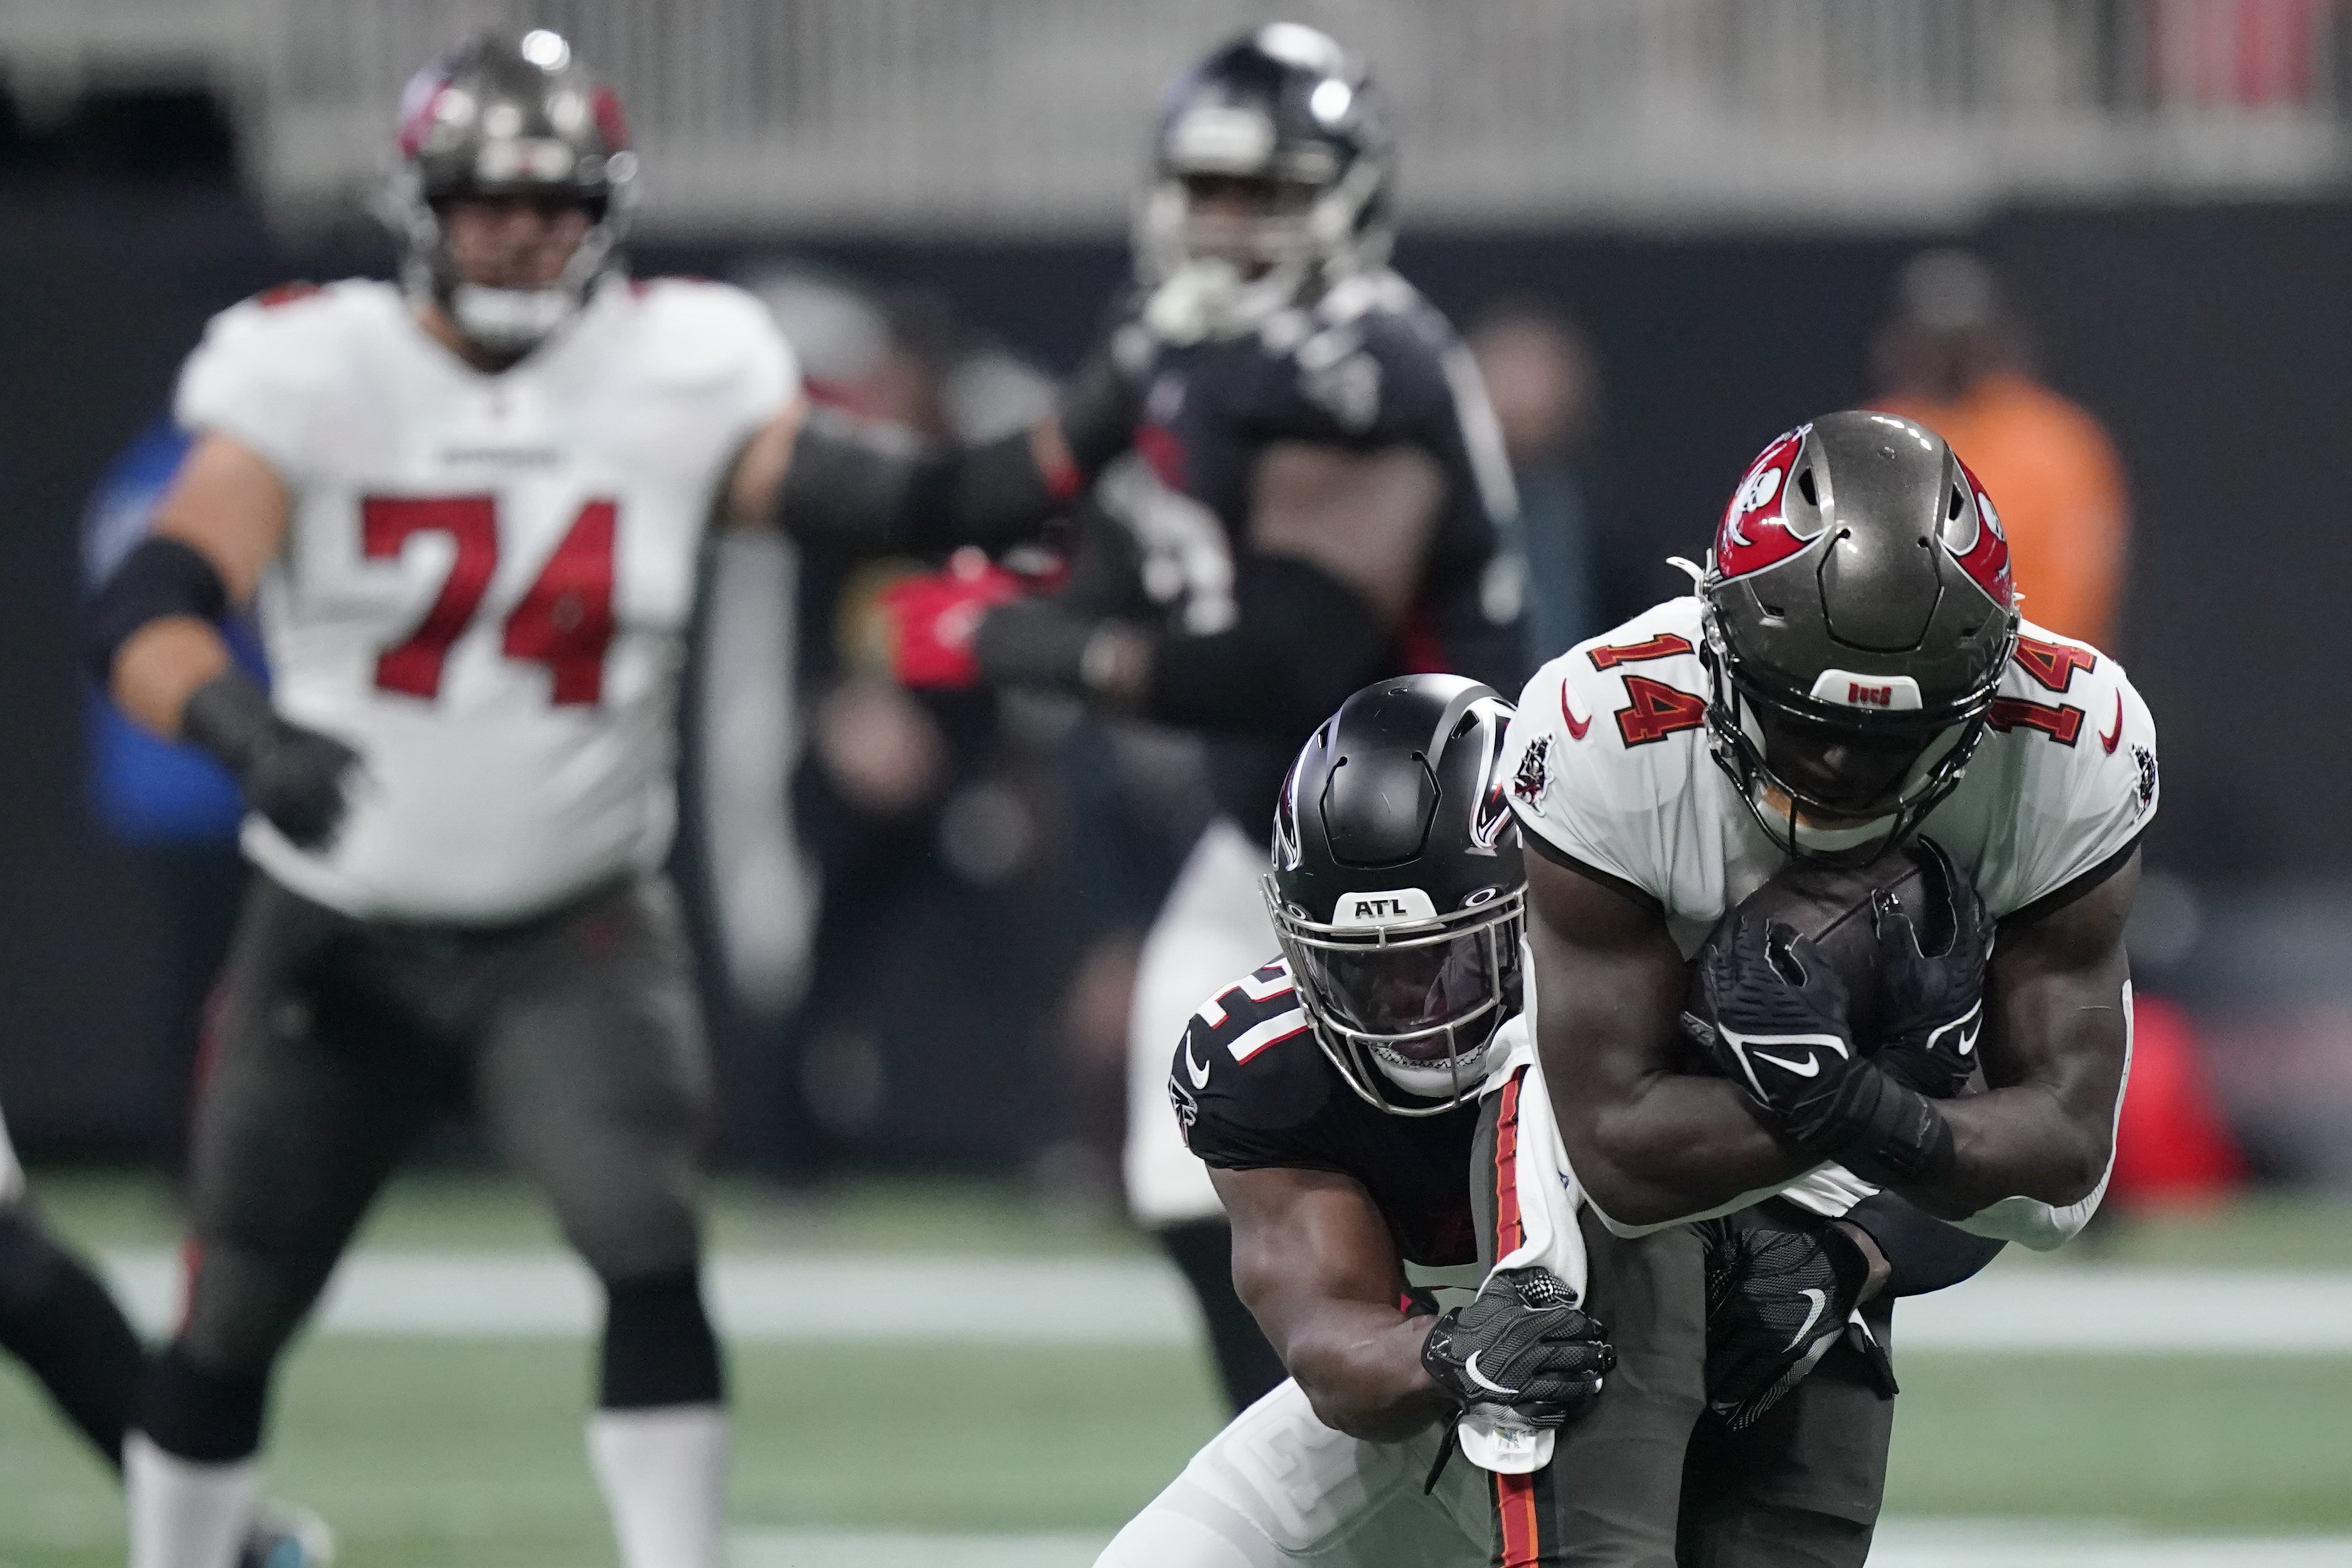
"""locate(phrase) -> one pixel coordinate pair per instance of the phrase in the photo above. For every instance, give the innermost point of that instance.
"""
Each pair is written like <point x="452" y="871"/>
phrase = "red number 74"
<point x="565" y="621"/>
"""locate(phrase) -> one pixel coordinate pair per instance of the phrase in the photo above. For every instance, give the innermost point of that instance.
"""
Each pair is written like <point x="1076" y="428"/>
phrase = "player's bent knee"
<point x="659" y="1348"/>
<point x="643" y="1236"/>
<point x="243" y="1307"/>
<point x="198" y="1414"/>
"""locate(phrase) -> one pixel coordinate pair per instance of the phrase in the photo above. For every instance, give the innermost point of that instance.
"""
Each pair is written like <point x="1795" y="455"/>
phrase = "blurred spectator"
<point x="1541" y="379"/>
<point x="2248" y="53"/>
<point x="1955" y="360"/>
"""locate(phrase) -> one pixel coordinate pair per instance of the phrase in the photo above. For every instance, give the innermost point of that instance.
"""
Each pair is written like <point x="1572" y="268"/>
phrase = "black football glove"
<point x="1780" y="1028"/>
<point x="1778" y="1297"/>
<point x="1524" y="1344"/>
<point x="1935" y="1002"/>
<point x="296" y="778"/>
<point x="1780" y="1033"/>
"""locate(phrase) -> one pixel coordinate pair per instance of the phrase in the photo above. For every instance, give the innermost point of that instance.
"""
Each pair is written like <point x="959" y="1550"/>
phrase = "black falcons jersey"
<point x="1254" y="1091"/>
<point x="1370" y="365"/>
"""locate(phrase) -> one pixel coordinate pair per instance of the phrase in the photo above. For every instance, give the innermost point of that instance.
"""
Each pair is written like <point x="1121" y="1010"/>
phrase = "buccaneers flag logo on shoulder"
<point x="1755" y="534"/>
<point x="1528" y="783"/>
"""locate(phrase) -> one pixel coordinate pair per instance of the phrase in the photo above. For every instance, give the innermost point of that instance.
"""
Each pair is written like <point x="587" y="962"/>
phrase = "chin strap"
<point x="510" y="321"/>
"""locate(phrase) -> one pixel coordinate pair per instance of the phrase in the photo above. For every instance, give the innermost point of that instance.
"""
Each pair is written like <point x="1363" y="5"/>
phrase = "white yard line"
<point x="1142" y="1300"/>
<point x="1052" y="1300"/>
<point x="1901" y="1544"/>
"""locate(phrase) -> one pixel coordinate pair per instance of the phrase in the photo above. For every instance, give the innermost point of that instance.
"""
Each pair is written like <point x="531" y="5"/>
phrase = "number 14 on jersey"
<point x="565" y="620"/>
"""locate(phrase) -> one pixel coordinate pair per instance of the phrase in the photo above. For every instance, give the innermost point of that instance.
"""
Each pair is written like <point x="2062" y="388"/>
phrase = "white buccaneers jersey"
<point x="1610" y="764"/>
<point x="486" y="580"/>
<point x="1609" y="760"/>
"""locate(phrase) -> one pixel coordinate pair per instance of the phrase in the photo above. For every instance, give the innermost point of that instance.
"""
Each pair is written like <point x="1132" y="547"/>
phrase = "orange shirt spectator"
<point x="2054" y="477"/>
<point x="1954" y="361"/>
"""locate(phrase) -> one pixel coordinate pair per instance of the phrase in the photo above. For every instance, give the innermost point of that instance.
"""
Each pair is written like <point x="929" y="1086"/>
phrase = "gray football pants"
<point x="1649" y="1478"/>
<point x="575" y="1037"/>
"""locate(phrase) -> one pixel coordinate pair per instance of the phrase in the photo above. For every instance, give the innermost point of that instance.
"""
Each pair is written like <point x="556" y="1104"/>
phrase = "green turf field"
<point x="453" y="1453"/>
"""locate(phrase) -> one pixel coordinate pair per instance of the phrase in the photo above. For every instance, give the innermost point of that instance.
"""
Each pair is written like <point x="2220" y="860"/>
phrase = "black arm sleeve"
<point x="1300" y="643"/>
<point x="1925" y="1253"/>
<point x="160" y="578"/>
<point x="868" y="490"/>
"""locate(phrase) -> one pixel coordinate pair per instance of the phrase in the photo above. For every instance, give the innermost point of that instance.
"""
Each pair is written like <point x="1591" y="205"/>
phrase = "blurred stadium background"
<point x="917" y="917"/>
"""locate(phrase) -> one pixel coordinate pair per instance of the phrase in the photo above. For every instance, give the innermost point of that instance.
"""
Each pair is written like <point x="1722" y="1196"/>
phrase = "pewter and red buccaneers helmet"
<point x="502" y="114"/>
<point x="1859" y="612"/>
<point x="1397" y="889"/>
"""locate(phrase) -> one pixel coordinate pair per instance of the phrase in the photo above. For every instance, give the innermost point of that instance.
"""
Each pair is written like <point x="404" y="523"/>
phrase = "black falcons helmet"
<point x="1286" y="105"/>
<point x="1857" y="596"/>
<point x="500" y="115"/>
<point x="1397" y="889"/>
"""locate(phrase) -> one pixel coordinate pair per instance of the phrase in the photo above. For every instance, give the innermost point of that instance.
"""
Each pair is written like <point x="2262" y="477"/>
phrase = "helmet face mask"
<point x="499" y="119"/>
<point x="1281" y="121"/>
<point x="1408" y="1008"/>
<point x="1398" y="892"/>
<point x="1858" y="615"/>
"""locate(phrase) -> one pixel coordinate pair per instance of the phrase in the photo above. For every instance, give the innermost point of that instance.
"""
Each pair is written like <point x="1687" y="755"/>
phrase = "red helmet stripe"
<point x="1754" y="535"/>
<point x="1986" y="560"/>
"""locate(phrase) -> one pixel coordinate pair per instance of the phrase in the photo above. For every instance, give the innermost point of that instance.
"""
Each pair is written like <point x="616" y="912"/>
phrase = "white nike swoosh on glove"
<point x="1745" y="1046"/>
<point x="1810" y="1067"/>
<point x="1470" y="1370"/>
<point x="1818" y="1301"/>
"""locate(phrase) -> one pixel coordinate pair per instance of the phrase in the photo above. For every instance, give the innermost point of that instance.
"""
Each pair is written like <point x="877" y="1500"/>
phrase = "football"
<point x="1831" y="903"/>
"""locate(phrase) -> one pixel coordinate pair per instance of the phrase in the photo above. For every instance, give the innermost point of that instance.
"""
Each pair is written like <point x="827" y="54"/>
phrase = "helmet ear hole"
<point x="1805" y="484"/>
<point x="1952" y="512"/>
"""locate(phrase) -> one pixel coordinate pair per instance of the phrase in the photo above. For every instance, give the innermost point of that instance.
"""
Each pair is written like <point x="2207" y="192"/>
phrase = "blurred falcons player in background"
<point x="1336" y="1095"/>
<point x="1307" y="495"/>
<point x="471" y="507"/>
<point x="1852" y="674"/>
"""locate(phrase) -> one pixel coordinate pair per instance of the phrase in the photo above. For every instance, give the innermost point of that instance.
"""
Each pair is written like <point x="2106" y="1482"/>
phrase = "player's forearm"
<point x="1359" y="1366"/>
<point x="161" y="665"/>
<point x="2020" y="1142"/>
<point x="2055" y="1044"/>
<point x="1682" y="1147"/>
<point x="1301" y="644"/>
<point x="862" y="489"/>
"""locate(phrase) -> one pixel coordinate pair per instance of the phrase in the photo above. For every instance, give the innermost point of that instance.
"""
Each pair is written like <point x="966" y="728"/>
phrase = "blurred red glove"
<point x="932" y="618"/>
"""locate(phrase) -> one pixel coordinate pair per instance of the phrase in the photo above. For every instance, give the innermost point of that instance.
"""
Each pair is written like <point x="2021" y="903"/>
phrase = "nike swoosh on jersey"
<point x="1577" y="726"/>
<point x="2115" y="736"/>
<point x="1818" y="1301"/>
<point x="1470" y="1370"/>
<point x="1197" y="1070"/>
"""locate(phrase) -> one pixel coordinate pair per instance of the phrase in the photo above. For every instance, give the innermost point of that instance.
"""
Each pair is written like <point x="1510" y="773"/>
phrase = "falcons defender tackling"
<point x="1851" y="675"/>
<point x="1341" y="1098"/>
<point x="471" y="508"/>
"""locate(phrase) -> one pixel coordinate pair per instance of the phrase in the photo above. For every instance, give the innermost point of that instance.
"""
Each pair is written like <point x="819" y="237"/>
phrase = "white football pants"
<point x="1212" y="930"/>
<point x="1277" y="1489"/>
